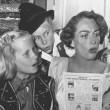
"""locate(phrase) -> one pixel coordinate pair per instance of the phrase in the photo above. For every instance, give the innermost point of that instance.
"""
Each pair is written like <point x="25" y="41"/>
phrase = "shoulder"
<point x="59" y="61"/>
<point x="103" y="66"/>
<point x="57" y="66"/>
<point x="106" y="66"/>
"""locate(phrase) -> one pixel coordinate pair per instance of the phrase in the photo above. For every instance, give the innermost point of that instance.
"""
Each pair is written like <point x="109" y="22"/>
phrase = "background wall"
<point x="9" y="13"/>
<point x="41" y="3"/>
<point x="65" y="9"/>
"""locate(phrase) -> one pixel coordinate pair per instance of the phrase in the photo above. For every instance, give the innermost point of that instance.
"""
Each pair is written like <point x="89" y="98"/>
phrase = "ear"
<point x="72" y="43"/>
<point x="7" y="39"/>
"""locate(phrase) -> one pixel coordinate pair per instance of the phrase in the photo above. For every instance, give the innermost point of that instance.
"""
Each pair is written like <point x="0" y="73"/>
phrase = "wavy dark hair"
<point x="67" y="34"/>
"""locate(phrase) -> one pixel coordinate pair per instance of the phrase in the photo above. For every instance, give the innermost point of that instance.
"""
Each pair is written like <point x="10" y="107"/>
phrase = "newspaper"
<point x="83" y="91"/>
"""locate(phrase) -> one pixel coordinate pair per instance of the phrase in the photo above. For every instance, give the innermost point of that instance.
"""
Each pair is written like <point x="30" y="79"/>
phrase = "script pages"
<point x="83" y="91"/>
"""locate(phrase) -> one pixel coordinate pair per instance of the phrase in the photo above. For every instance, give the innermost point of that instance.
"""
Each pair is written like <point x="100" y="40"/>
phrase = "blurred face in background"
<point x="44" y="36"/>
<point x="87" y="38"/>
<point x="26" y="55"/>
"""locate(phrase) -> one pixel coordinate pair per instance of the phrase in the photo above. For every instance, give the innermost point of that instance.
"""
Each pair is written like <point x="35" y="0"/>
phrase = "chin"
<point x="49" y="51"/>
<point x="34" y="70"/>
<point x="92" y="56"/>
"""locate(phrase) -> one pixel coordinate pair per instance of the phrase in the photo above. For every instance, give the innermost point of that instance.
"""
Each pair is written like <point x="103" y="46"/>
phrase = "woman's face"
<point x="25" y="56"/>
<point x="87" y="38"/>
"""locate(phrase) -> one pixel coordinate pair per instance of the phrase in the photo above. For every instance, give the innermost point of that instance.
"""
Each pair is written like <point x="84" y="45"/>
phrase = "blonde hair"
<point x="2" y="64"/>
<point x="8" y="51"/>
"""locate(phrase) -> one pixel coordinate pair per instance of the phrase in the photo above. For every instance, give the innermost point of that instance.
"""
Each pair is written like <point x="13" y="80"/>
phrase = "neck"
<point x="22" y="75"/>
<point x="84" y="63"/>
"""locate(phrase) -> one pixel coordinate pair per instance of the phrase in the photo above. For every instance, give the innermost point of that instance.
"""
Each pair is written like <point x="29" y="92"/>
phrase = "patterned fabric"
<point x="41" y="93"/>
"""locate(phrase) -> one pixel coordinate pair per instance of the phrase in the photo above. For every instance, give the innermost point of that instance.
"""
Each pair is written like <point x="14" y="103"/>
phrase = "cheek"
<point x="51" y="39"/>
<point x="98" y="41"/>
<point x="81" y="44"/>
<point x="23" y="65"/>
<point x="39" y="44"/>
<point x="21" y="61"/>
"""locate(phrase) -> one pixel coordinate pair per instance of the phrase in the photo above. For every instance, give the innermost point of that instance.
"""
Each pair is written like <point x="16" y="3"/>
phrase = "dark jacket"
<point x="42" y="95"/>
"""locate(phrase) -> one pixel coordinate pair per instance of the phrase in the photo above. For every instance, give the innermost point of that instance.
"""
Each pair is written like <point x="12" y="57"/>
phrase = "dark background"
<point x="9" y="13"/>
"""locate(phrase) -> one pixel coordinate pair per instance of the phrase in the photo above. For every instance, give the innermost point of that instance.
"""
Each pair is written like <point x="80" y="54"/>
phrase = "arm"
<point x="106" y="101"/>
<point x="106" y="95"/>
<point x="54" y="105"/>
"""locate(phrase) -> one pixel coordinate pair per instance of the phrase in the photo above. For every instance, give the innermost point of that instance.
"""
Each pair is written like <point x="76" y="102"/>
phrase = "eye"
<point x="84" y="35"/>
<point x="97" y="35"/>
<point x="37" y="37"/>
<point x="26" y="53"/>
<point x="46" y="33"/>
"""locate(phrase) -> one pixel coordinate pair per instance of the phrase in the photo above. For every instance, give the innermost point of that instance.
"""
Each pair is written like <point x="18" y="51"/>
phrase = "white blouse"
<point x="58" y="66"/>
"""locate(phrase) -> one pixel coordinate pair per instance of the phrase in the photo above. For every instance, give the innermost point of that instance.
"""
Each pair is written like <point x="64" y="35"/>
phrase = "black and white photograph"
<point x="40" y="40"/>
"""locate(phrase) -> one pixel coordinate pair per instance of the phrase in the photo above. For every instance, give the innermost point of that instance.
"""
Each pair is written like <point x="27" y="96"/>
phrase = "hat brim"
<point x="35" y="21"/>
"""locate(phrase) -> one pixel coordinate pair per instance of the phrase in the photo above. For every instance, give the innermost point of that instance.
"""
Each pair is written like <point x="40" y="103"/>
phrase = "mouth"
<point x="35" y="64"/>
<point x="93" y="50"/>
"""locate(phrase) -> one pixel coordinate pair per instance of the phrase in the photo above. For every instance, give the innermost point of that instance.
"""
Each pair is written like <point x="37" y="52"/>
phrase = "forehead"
<point x="44" y="26"/>
<point x="86" y="23"/>
<point x="24" y="43"/>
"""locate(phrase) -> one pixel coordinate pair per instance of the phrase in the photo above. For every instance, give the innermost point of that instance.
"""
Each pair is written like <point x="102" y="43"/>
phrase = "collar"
<point x="21" y="84"/>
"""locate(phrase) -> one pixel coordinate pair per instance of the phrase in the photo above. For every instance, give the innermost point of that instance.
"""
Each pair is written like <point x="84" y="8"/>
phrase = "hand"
<point x="105" y="55"/>
<point x="106" y="51"/>
<point x="106" y="101"/>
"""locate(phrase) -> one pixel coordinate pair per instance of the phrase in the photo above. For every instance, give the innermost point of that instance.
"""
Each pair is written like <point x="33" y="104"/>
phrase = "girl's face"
<point x="87" y="38"/>
<point x="25" y="56"/>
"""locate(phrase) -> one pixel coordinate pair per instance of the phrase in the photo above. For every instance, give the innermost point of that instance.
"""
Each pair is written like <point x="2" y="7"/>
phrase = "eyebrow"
<point x="47" y="26"/>
<point x="96" y="30"/>
<point x="88" y="31"/>
<point x="84" y="31"/>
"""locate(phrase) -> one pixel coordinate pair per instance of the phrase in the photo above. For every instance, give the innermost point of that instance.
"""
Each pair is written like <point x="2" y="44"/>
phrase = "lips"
<point x="35" y="64"/>
<point x="93" y="50"/>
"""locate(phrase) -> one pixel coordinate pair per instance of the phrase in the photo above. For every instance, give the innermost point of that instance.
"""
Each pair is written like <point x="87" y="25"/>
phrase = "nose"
<point x="92" y="40"/>
<point x="44" y="40"/>
<point x="37" y="56"/>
